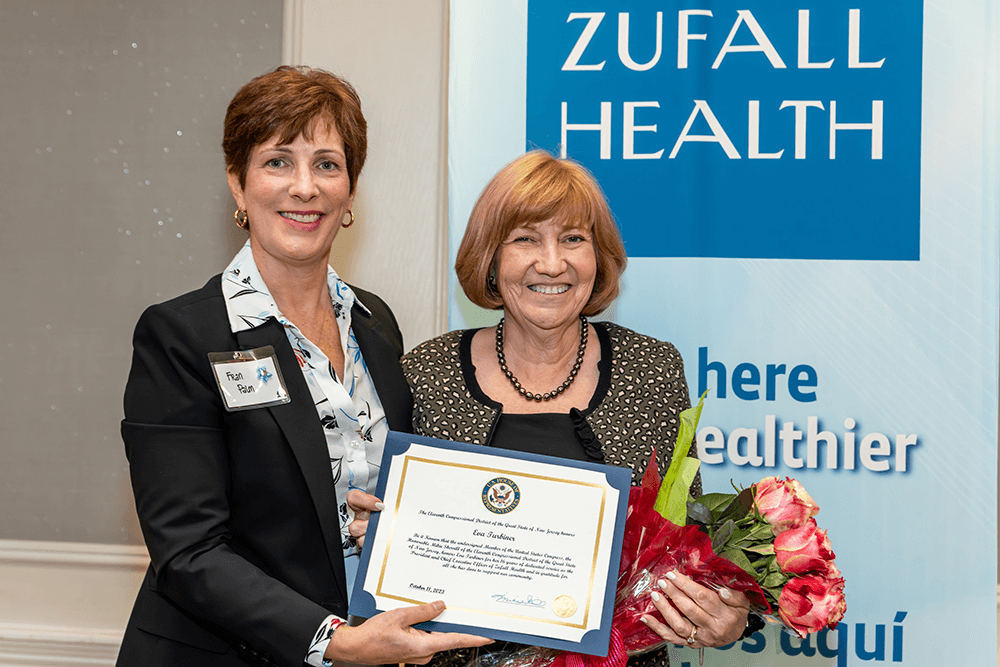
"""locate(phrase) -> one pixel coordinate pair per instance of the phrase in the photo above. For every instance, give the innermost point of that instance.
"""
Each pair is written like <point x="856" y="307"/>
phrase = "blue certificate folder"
<point x="594" y="642"/>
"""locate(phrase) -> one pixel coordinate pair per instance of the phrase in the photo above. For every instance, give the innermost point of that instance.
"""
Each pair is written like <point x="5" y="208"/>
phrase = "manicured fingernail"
<point x="661" y="583"/>
<point x="379" y="507"/>
<point x="644" y="620"/>
<point x="671" y="576"/>
<point x="725" y="594"/>
<point x="655" y="596"/>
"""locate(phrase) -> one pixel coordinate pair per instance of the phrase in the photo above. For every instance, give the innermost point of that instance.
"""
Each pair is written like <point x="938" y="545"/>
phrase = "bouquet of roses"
<point x="769" y="531"/>
<point x="761" y="541"/>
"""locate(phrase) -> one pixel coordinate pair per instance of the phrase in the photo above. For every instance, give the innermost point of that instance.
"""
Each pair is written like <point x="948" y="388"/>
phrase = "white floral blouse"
<point x="351" y="414"/>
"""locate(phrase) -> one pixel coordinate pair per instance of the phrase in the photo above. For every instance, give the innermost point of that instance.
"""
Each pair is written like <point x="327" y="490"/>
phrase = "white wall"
<point x="65" y="602"/>
<point x="114" y="197"/>
<point x="395" y="54"/>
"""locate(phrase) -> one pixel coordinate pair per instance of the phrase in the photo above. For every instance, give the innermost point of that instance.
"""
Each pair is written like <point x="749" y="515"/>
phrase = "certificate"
<point x="520" y="547"/>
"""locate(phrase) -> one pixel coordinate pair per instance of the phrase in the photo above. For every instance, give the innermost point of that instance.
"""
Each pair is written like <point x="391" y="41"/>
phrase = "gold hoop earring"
<point x="350" y="213"/>
<point x="242" y="219"/>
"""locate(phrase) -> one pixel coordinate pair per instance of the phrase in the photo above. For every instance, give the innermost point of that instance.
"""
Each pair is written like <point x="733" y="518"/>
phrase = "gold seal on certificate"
<point x="520" y="547"/>
<point x="564" y="606"/>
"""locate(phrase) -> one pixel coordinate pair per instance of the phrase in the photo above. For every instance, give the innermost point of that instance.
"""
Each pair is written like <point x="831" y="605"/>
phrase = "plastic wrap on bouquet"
<point x="652" y="547"/>
<point x="527" y="656"/>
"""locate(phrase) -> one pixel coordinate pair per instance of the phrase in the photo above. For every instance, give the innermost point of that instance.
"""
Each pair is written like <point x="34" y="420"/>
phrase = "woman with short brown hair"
<point x="256" y="410"/>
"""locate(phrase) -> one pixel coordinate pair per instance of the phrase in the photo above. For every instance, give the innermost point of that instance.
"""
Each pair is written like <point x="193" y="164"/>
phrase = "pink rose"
<point x="811" y="603"/>
<point x="805" y="550"/>
<point x="784" y="503"/>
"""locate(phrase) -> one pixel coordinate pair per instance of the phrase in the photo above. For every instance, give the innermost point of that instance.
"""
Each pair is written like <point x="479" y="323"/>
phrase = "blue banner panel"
<point x="871" y="379"/>
<point x="741" y="130"/>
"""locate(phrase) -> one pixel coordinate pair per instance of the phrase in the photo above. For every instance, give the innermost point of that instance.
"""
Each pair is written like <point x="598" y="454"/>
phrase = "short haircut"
<point x="286" y="103"/>
<point x="534" y="188"/>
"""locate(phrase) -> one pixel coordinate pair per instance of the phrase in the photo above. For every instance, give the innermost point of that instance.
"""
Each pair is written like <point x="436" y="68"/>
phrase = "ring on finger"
<point x="694" y="633"/>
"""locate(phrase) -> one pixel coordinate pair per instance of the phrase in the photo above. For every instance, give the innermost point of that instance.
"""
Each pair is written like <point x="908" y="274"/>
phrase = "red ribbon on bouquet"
<point x="617" y="656"/>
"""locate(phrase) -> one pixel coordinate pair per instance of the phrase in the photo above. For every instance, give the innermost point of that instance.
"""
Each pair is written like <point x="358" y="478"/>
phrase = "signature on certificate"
<point x="523" y="600"/>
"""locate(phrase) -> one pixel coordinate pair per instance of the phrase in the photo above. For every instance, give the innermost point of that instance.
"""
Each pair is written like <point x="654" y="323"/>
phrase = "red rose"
<point x="805" y="550"/>
<point x="784" y="503"/>
<point x="811" y="603"/>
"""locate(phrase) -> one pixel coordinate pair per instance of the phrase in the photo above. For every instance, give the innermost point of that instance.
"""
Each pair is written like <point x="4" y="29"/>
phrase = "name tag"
<point x="249" y="378"/>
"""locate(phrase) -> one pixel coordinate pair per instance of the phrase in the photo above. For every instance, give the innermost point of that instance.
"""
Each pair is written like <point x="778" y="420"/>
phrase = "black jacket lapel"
<point x="381" y="351"/>
<point x="300" y="426"/>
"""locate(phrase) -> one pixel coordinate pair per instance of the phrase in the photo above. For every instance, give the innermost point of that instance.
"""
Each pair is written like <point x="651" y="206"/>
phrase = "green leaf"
<point x="716" y="501"/>
<point x="739" y="534"/>
<point x="762" y="532"/>
<point x="765" y="549"/>
<point x="740" y="506"/>
<point x="737" y="558"/>
<point x="671" y="501"/>
<point x="698" y="512"/>
<point x="774" y="580"/>
<point x="721" y="537"/>
<point x="676" y="508"/>
<point x="688" y="427"/>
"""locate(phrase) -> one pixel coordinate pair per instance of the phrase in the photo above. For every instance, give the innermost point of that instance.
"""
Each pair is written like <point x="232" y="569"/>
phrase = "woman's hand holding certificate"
<point x="386" y="637"/>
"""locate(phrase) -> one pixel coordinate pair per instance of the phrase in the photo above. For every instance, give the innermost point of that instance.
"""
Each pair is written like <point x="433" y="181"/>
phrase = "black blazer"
<point x="238" y="509"/>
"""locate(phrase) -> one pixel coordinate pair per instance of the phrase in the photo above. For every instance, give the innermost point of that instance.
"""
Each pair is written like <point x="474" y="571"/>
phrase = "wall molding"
<point x="291" y="35"/>
<point x="24" y="645"/>
<point x="66" y="603"/>
<point x="73" y="554"/>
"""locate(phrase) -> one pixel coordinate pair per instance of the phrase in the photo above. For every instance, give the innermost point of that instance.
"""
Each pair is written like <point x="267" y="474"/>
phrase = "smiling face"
<point x="296" y="196"/>
<point x="545" y="273"/>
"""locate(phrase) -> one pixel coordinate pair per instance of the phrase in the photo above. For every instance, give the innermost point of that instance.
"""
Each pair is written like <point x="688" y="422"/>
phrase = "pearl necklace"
<point x="561" y="388"/>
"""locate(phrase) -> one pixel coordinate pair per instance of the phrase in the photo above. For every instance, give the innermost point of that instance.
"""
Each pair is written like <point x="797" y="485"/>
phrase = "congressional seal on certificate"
<point x="520" y="547"/>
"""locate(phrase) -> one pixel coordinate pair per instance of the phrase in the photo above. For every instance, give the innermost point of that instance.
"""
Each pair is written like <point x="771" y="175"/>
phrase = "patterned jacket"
<point x="640" y="408"/>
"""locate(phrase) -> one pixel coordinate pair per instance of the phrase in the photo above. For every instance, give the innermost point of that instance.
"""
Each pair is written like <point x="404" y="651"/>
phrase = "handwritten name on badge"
<point x="249" y="378"/>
